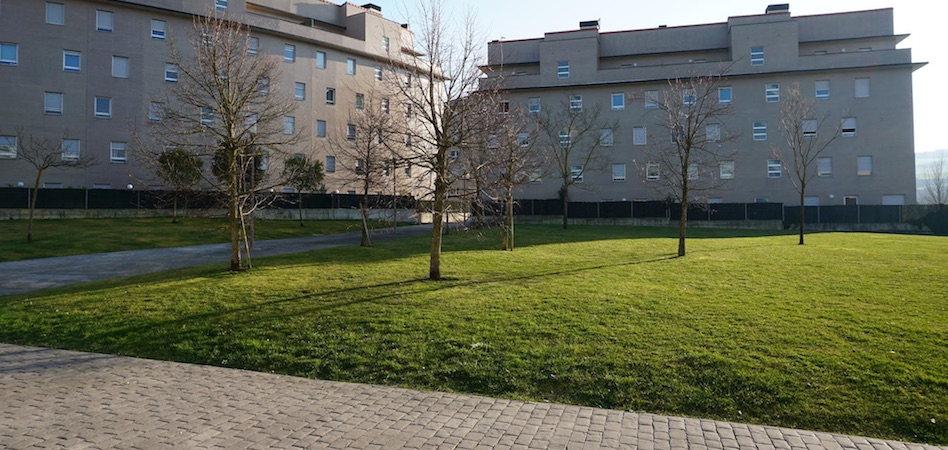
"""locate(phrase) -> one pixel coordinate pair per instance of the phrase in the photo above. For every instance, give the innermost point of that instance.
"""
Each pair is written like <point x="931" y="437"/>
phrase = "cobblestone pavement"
<point x="56" y="398"/>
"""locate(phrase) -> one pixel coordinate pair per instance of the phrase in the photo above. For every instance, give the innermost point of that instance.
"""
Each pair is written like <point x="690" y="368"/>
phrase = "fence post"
<point x="858" y="215"/>
<point x="745" y="213"/>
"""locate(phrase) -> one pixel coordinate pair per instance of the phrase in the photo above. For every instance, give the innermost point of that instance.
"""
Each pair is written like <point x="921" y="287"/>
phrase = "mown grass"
<point x="846" y="334"/>
<point x="63" y="237"/>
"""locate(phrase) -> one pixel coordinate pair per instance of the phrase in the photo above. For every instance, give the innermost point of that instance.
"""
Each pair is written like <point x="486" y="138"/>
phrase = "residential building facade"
<point x="848" y="63"/>
<point x="86" y="71"/>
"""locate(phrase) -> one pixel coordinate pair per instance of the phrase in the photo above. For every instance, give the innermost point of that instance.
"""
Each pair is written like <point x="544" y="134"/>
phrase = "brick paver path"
<point x="56" y="398"/>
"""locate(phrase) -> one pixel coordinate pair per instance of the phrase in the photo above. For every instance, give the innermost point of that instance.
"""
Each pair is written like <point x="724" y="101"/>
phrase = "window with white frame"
<point x="159" y="29"/>
<point x="330" y="164"/>
<point x="565" y="139"/>
<point x="7" y="147"/>
<point x="120" y="67"/>
<point x="862" y="87"/>
<point x="809" y="127"/>
<point x="772" y="92"/>
<point x="726" y="170"/>
<point x="103" y="107"/>
<point x="72" y="61"/>
<point x="320" y="60"/>
<point x="378" y="72"/>
<point x="712" y="132"/>
<point x="53" y="103"/>
<point x="606" y="137"/>
<point x="250" y="123"/>
<point x="253" y="45"/>
<point x="55" y="13"/>
<point x="863" y="165"/>
<point x="299" y="90"/>
<point x="503" y="107"/>
<point x="70" y="150"/>
<point x="652" y="172"/>
<point x="693" y="171"/>
<point x="154" y="111"/>
<point x="536" y="175"/>
<point x="848" y="127"/>
<point x="774" y="168"/>
<point x="321" y="128"/>
<point x="651" y="99"/>
<point x="760" y="131"/>
<point x="618" y="101"/>
<point x="896" y="199"/>
<point x="811" y="200"/>
<point x="360" y="100"/>
<point x="533" y="105"/>
<point x="103" y="20"/>
<point x="639" y="136"/>
<point x="117" y="152"/>
<point x="8" y="54"/>
<point x="824" y="166"/>
<point x="207" y="116"/>
<point x="576" y="171"/>
<point x="454" y="153"/>
<point x="263" y="86"/>
<point x="575" y="103"/>
<point x="757" y="56"/>
<point x="822" y="89"/>
<point x="289" y="125"/>
<point x="350" y="66"/>
<point x="289" y="53"/>
<point x="618" y="172"/>
<point x="725" y="95"/>
<point x="386" y="44"/>
<point x="171" y="73"/>
<point x="220" y="5"/>
<point x="562" y="69"/>
<point x="688" y="97"/>
<point x="350" y="131"/>
<point x="386" y="105"/>
<point x="523" y="139"/>
<point x="330" y="96"/>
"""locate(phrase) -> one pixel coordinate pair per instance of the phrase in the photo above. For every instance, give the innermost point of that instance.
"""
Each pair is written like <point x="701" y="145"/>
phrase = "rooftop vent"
<point x="778" y="8"/>
<point x="589" y="24"/>
<point x="372" y="6"/>
<point x="663" y="26"/>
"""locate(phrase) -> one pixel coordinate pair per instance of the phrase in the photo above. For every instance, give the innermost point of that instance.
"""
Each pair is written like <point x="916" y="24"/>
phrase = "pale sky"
<point x="923" y="20"/>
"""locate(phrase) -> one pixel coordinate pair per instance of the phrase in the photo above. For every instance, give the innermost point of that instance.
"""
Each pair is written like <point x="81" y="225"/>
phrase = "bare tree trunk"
<point x="437" y="221"/>
<point x="299" y="202"/>
<point x="802" y="211"/>
<point x="565" y="196"/>
<point x="508" y="220"/>
<point x="233" y="216"/>
<point x="29" y="225"/>
<point x="174" y="206"/>
<point x="365" y="223"/>
<point x="683" y="223"/>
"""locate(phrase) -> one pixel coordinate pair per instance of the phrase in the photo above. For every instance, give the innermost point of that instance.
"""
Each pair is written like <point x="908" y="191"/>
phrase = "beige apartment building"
<point x="849" y="62"/>
<point x="85" y="71"/>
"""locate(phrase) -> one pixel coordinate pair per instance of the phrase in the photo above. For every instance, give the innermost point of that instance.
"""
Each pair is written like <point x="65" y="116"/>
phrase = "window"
<point x="350" y="66"/>
<point x="72" y="61"/>
<point x="562" y="69"/>
<point x="618" y="101"/>
<point x="772" y="92"/>
<point x="639" y="136"/>
<point x="289" y="125"/>
<point x="171" y="73"/>
<point x="55" y="13"/>
<point x="103" y="107"/>
<point x="850" y="200"/>
<point x="117" y="152"/>
<point x="330" y="96"/>
<point x="52" y="185"/>
<point x="606" y="137"/>
<point x="692" y="171"/>
<point x="207" y="117"/>
<point x="408" y="169"/>
<point x="220" y="5"/>
<point x="824" y="166"/>
<point x="822" y="89"/>
<point x="250" y="123"/>
<point x="101" y="186"/>
<point x="651" y="172"/>
<point x="757" y="56"/>
<point x="378" y="71"/>
<point x="320" y="60"/>
<point x="253" y="45"/>
<point x="360" y="101"/>
<point x="760" y="131"/>
<point x="8" y="54"/>
<point x="289" y="52"/>
<point x="493" y="141"/>
<point x="651" y="99"/>
<point x="159" y="29"/>
<point x="503" y="107"/>
<point x="714" y="200"/>
<point x="688" y="97"/>
<point x="575" y="103"/>
<point x="299" y="91"/>
<point x="862" y="87"/>
<point x="103" y="20"/>
<point x="321" y="128"/>
<point x="565" y="139"/>
<point x="154" y="111"/>
<point x="761" y="200"/>
<point x="533" y="105"/>
<point x="263" y="86"/>
<point x="330" y="163"/>
<point x="725" y="94"/>
<point x="454" y="153"/>
<point x="386" y="105"/>
<point x="726" y="170"/>
<point x="523" y="139"/>
<point x="350" y="131"/>
<point x="774" y="168"/>
<point x="536" y="175"/>
<point x="576" y="171"/>
<point x="811" y="200"/>
<point x="386" y="44"/>
<point x="863" y="165"/>
<point x="618" y="172"/>
<point x="119" y="67"/>
<point x="809" y="128"/>
<point x="53" y="103"/>
<point x="713" y="132"/>
<point x="898" y="199"/>
<point x="70" y="148"/>
<point x="848" y="128"/>
<point x="7" y="147"/>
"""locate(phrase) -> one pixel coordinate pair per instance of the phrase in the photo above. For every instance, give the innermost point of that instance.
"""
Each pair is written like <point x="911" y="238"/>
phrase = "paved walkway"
<point x="56" y="398"/>
<point x="30" y="275"/>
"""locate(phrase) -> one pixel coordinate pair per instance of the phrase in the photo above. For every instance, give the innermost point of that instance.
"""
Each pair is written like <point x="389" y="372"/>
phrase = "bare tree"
<point x="573" y="136"/>
<point x="935" y="184"/>
<point x="693" y="160"/>
<point x="806" y="139"/>
<point x="222" y="108"/>
<point x="181" y="170"/>
<point x="303" y="175"/>
<point x="44" y="153"/>
<point x="515" y="157"/>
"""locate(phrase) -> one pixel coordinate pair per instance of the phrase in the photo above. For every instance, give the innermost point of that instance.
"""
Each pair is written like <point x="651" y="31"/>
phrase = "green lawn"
<point x="846" y="334"/>
<point x="62" y="237"/>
